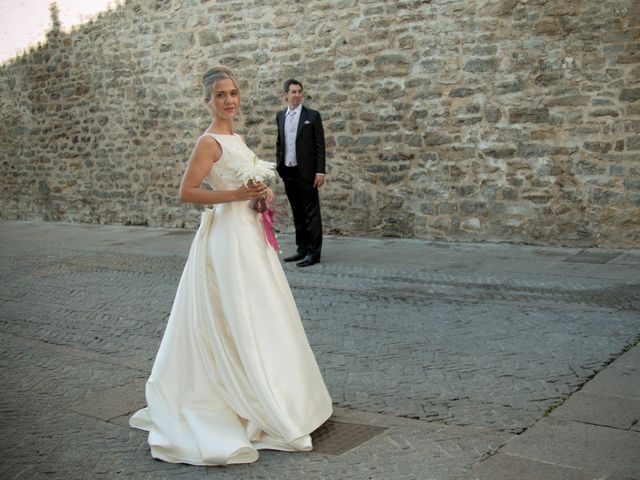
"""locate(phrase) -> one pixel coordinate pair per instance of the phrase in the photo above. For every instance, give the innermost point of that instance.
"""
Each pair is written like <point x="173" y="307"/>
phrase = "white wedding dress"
<point x="234" y="372"/>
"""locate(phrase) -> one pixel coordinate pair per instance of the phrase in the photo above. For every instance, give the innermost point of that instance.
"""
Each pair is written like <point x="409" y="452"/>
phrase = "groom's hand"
<point x="319" y="181"/>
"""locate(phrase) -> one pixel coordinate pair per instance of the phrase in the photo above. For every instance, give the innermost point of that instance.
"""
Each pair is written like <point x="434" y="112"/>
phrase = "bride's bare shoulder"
<point x="207" y="147"/>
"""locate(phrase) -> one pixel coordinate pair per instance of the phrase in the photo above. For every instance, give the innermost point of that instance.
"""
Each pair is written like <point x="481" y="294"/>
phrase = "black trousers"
<point x="305" y="205"/>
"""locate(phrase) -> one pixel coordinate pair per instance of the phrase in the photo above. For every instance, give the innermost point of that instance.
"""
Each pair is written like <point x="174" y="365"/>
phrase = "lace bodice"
<point x="235" y="157"/>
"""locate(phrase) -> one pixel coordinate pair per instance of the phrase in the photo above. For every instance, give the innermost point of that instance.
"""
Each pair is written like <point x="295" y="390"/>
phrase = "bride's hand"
<point x="270" y="197"/>
<point x="251" y="191"/>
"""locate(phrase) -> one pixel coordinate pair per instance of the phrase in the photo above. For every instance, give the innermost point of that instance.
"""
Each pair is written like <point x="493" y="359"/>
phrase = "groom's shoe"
<point x="294" y="258"/>
<point x="308" y="261"/>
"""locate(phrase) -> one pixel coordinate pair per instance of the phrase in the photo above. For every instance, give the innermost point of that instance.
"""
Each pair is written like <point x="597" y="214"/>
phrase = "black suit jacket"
<point x="310" y="149"/>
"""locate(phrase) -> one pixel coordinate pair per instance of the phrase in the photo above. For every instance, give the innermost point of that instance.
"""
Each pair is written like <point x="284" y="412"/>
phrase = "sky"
<point x="25" y="22"/>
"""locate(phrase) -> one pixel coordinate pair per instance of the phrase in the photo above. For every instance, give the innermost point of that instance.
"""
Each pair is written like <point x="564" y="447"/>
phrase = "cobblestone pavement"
<point x="453" y="348"/>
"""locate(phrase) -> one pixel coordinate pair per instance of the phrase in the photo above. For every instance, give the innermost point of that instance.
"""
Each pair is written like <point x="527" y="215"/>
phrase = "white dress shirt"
<point x="290" y="132"/>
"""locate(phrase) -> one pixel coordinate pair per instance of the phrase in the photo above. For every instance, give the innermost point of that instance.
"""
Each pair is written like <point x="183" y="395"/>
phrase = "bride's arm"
<point x="206" y="152"/>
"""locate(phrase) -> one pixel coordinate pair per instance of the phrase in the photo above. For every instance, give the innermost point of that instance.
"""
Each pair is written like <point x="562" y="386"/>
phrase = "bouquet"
<point x="260" y="171"/>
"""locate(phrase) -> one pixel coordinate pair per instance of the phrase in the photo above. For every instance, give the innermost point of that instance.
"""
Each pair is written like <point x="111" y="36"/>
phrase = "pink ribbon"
<point x="267" y="225"/>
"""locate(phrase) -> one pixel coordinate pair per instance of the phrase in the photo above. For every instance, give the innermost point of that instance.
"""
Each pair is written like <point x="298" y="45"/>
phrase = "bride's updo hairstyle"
<point x="213" y="75"/>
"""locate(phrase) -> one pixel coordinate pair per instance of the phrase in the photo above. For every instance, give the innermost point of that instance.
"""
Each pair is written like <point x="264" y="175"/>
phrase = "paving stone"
<point x="600" y="409"/>
<point x="509" y="467"/>
<point x="625" y="378"/>
<point x="580" y="446"/>
<point x="630" y="357"/>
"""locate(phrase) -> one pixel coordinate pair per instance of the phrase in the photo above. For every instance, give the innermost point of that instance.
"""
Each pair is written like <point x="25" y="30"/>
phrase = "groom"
<point x="300" y="161"/>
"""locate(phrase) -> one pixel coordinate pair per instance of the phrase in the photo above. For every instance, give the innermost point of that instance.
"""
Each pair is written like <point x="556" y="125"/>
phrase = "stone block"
<point x="467" y="190"/>
<point x="427" y="208"/>
<point x="492" y="114"/>
<point x="462" y="92"/>
<point x="396" y="157"/>
<point x="598" y="147"/>
<point x="377" y="169"/>
<point x="509" y="193"/>
<point x="498" y="208"/>
<point x="616" y="170"/>
<point x="632" y="184"/>
<point x="207" y="38"/>
<point x="629" y="95"/>
<point x="604" y="112"/>
<point x="568" y="101"/>
<point x="506" y="152"/>
<point x="432" y="65"/>
<point x="528" y="115"/>
<point x="533" y="150"/>
<point x="434" y="138"/>
<point x="392" y="61"/>
<point x="413" y="140"/>
<point x="473" y="207"/>
<point x="547" y="27"/>
<point x="510" y="86"/>
<point x="391" y="179"/>
<point x="447" y="208"/>
<point x="468" y="120"/>
<point x="549" y="79"/>
<point x="537" y="198"/>
<point x="439" y="222"/>
<point x="628" y="59"/>
<point x="471" y="224"/>
<point x="633" y="143"/>
<point x="480" y="65"/>
<point x="345" y="141"/>
<point x="368" y="140"/>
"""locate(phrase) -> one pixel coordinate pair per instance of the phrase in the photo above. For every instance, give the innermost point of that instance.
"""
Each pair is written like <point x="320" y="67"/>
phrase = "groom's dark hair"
<point x="291" y="81"/>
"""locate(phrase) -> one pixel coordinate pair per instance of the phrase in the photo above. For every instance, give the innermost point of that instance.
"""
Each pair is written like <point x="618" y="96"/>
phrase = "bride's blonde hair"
<point x="214" y="75"/>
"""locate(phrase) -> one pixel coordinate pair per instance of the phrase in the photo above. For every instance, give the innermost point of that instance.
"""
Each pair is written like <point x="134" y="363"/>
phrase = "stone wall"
<point x="496" y="120"/>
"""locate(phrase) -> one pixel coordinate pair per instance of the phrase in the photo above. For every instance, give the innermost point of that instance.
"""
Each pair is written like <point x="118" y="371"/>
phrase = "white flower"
<point x="258" y="171"/>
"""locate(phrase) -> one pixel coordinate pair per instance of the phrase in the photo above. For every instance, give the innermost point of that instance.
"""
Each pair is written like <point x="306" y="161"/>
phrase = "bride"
<point x="234" y="372"/>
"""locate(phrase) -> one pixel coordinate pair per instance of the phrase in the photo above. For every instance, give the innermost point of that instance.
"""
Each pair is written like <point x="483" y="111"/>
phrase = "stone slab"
<point x="621" y="378"/>
<point x="580" y="446"/>
<point x="509" y="467"/>
<point x="630" y="357"/>
<point x="599" y="409"/>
